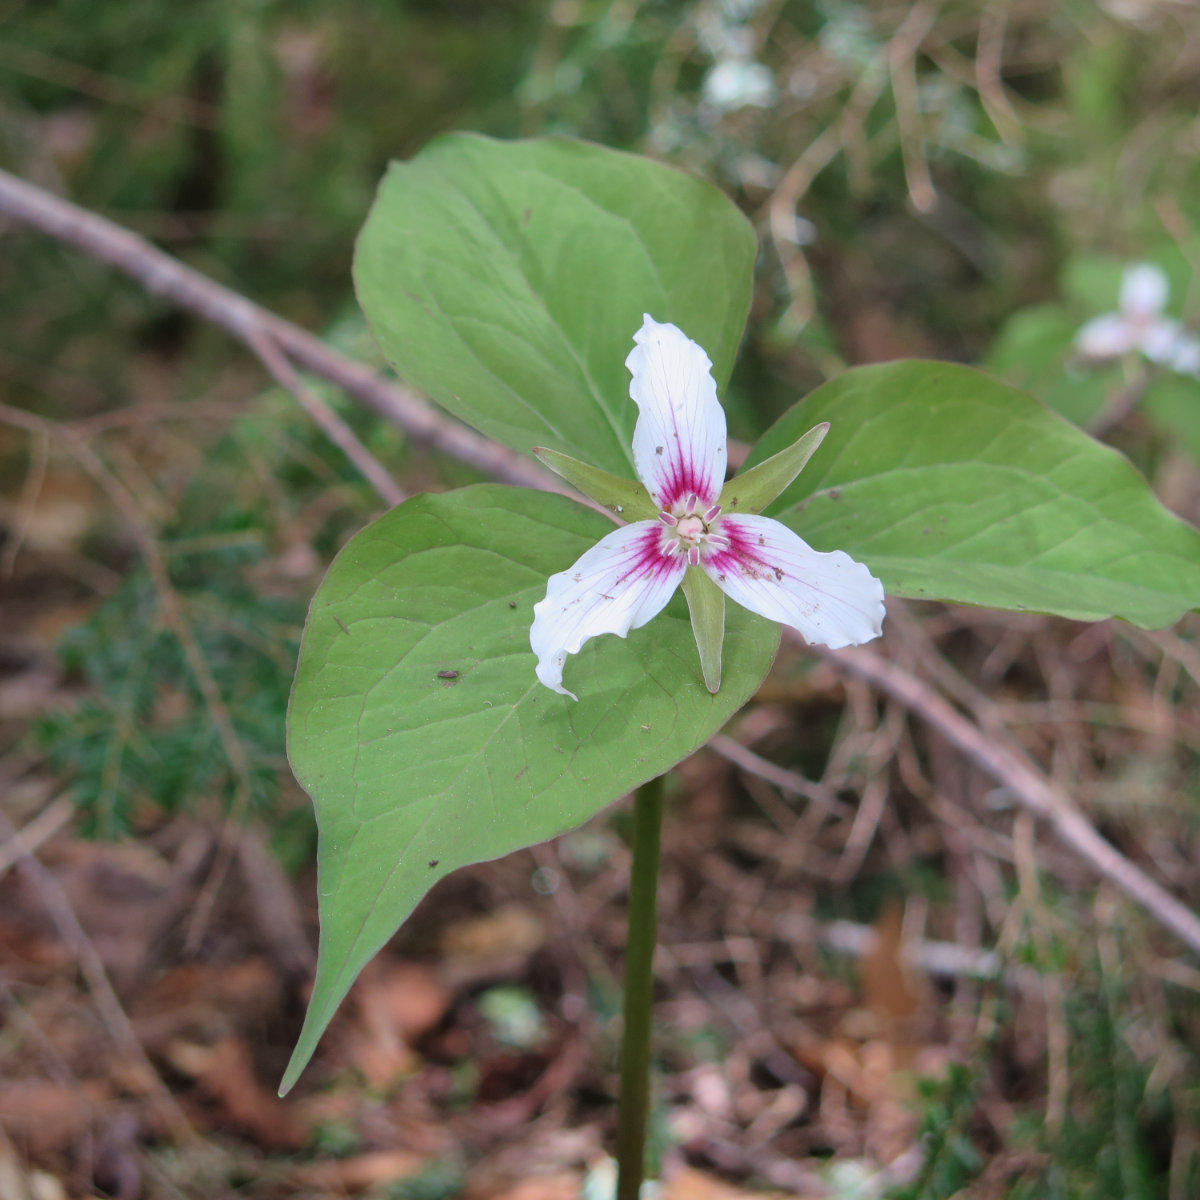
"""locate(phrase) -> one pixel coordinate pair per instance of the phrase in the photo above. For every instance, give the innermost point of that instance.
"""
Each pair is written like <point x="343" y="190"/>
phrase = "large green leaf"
<point x="418" y="726"/>
<point x="507" y="279"/>
<point x="953" y="486"/>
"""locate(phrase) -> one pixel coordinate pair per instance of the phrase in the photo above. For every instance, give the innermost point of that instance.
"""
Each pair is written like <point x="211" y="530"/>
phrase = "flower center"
<point x="690" y="531"/>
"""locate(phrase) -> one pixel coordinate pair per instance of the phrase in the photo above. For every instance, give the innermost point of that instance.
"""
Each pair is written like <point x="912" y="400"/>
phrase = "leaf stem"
<point x="633" y="1107"/>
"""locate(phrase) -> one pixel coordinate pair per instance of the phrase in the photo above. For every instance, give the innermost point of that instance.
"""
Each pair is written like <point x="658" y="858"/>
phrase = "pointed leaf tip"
<point x="753" y="490"/>
<point x="489" y="761"/>
<point x="625" y="498"/>
<point x="706" y="604"/>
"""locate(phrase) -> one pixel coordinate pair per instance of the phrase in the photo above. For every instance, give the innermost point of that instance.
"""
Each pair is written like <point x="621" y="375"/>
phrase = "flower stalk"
<point x="633" y="1106"/>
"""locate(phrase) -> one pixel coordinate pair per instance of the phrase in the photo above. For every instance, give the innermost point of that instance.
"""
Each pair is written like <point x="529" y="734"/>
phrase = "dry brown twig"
<point x="334" y="428"/>
<point x="162" y="275"/>
<point x="31" y="490"/>
<point x="902" y="69"/>
<point x="789" y="782"/>
<point x="1009" y="767"/>
<point x="176" y="619"/>
<point x="53" y="818"/>
<point x="108" y="1005"/>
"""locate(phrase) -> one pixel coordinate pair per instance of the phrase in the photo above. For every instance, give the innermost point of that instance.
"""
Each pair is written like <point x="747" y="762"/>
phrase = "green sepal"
<point x="753" y="490"/>
<point x="706" y="603"/>
<point x="626" y="498"/>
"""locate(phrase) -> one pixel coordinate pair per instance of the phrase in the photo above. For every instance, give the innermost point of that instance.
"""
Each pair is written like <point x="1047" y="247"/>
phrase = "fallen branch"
<point x="164" y="276"/>
<point x="334" y="428"/>
<point x="1009" y="767"/>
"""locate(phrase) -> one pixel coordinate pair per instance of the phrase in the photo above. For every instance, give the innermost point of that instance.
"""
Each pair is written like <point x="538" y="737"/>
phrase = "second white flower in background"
<point x="1139" y="325"/>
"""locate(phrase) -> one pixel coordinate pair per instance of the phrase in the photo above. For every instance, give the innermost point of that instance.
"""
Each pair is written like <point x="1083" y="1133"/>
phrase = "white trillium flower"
<point x="1139" y="325"/>
<point x="679" y="450"/>
<point x="739" y="83"/>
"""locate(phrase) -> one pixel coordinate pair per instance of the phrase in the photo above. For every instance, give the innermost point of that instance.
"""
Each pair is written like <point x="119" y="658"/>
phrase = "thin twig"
<point x="1051" y="982"/>
<point x="125" y="503"/>
<point x="31" y="835"/>
<point x="781" y="208"/>
<point x="39" y="457"/>
<point x="274" y="907"/>
<point x="91" y="966"/>
<point x="162" y="275"/>
<point x="1011" y="768"/>
<point x="902" y="68"/>
<point x="790" y="782"/>
<point x="335" y="429"/>
<point x="989" y="59"/>
<point x="175" y="617"/>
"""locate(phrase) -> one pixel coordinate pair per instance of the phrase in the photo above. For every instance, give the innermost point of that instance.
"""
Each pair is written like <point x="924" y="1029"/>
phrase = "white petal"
<point x="1159" y="339"/>
<point x="679" y="440"/>
<point x="828" y="598"/>
<point x="1106" y="336"/>
<point x="623" y="581"/>
<point x="736" y="83"/>
<point x="1144" y="291"/>
<point x="1185" y="357"/>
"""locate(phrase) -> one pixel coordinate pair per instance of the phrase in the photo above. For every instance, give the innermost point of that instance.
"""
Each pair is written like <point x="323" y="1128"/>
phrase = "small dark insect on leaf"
<point x="447" y="675"/>
<point x="512" y="604"/>
<point x="433" y="862"/>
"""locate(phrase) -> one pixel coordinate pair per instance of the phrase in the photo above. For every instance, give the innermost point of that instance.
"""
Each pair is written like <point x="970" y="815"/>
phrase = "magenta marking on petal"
<point x="685" y="484"/>
<point x="743" y="554"/>
<point x="647" y="557"/>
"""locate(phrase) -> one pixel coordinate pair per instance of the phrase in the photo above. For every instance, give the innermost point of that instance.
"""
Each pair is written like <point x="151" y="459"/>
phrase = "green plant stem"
<point x="633" y="1106"/>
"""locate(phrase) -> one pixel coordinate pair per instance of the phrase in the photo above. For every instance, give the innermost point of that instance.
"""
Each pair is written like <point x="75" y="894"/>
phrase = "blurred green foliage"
<point x="146" y="734"/>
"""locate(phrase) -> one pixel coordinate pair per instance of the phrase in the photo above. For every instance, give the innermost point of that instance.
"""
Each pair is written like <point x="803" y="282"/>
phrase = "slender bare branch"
<point x="335" y="429"/>
<point x="790" y="782"/>
<point x="164" y="276"/>
<point x="91" y="967"/>
<point x="1010" y="767"/>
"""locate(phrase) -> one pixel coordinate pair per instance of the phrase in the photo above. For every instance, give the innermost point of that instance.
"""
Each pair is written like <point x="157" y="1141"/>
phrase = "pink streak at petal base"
<point x="827" y="597"/>
<point x="679" y="441"/>
<point x="617" y="585"/>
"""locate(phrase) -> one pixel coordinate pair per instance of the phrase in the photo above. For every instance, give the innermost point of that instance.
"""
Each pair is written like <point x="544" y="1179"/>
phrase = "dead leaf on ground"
<point x="562" y="1185"/>
<point x="361" y="1171"/>
<point x="206" y="998"/>
<point x="224" y="1073"/>
<point x="395" y="1003"/>
<point x="44" y="1118"/>
<point x="512" y="930"/>
<point x="689" y="1184"/>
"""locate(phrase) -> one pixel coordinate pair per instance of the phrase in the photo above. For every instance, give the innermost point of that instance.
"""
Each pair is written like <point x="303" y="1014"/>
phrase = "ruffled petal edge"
<point x="619" y="584"/>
